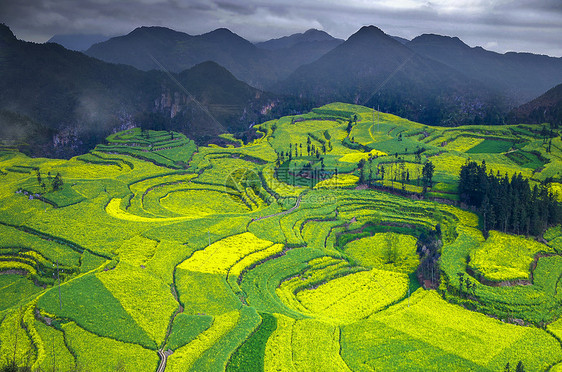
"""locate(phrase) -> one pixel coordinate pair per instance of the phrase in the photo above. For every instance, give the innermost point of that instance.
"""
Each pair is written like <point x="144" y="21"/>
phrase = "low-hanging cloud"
<point x="502" y="25"/>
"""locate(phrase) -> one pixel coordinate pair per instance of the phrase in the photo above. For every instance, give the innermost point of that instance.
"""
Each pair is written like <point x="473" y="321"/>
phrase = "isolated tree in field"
<point x="39" y="180"/>
<point x="469" y="286"/>
<point x="57" y="182"/>
<point x="427" y="175"/>
<point x="361" y="164"/>
<point x="390" y="252"/>
<point x="461" y="281"/>
<point x="362" y="175"/>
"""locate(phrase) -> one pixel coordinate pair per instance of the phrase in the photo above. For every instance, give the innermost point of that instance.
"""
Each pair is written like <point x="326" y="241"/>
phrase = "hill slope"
<point x="546" y="108"/>
<point x="82" y="99"/>
<point x="520" y="76"/>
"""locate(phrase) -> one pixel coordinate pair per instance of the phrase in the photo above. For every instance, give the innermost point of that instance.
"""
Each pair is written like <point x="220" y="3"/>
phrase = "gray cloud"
<point x="500" y="25"/>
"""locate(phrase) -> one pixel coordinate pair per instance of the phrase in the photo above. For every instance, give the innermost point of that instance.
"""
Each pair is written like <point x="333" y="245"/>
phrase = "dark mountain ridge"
<point x="519" y="76"/>
<point x="373" y="69"/>
<point x="78" y="100"/>
<point x="308" y="36"/>
<point x="177" y="51"/>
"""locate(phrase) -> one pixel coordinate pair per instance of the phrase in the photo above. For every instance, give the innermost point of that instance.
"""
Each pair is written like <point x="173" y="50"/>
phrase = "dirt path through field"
<point x="297" y="204"/>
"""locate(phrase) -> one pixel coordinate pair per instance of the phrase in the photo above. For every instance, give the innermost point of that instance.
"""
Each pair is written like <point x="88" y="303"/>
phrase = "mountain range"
<point x="258" y="65"/>
<point x="374" y="69"/>
<point x="432" y="78"/>
<point x="218" y="82"/>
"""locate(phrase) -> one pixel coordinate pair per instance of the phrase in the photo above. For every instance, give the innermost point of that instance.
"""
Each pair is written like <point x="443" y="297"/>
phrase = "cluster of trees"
<point x="56" y="182"/>
<point x="509" y="205"/>
<point x="350" y="124"/>
<point x="397" y="172"/>
<point x="428" y="248"/>
<point x="297" y="151"/>
<point x="520" y="367"/>
<point x="469" y="286"/>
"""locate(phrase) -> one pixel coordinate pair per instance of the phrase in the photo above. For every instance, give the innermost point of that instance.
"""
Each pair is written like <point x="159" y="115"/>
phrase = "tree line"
<point x="508" y="204"/>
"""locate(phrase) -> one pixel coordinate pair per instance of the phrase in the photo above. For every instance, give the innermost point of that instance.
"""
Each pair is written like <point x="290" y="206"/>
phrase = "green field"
<point x="300" y="251"/>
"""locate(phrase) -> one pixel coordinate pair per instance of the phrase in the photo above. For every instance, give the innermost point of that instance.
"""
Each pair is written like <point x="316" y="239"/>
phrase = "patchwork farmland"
<point x="320" y="246"/>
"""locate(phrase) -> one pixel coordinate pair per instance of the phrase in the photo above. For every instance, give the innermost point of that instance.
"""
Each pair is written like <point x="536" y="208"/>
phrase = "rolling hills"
<point x="293" y="251"/>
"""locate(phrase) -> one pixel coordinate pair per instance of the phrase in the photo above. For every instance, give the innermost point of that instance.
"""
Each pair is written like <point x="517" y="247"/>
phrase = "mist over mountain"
<point x="74" y="100"/>
<point x="546" y="108"/>
<point x="77" y="42"/>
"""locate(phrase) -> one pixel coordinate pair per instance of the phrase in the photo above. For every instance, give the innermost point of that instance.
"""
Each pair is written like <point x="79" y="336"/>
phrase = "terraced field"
<point x="155" y="254"/>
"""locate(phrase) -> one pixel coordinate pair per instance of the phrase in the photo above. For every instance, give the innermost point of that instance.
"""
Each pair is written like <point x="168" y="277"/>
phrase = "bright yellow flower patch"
<point x="219" y="257"/>
<point x="355" y="296"/>
<point x="357" y="156"/>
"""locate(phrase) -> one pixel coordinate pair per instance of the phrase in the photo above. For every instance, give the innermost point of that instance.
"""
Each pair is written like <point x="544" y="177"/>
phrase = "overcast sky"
<point x="499" y="25"/>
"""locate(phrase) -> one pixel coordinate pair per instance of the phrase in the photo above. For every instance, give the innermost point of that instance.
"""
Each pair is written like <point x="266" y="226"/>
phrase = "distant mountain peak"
<point x="369" y="30"/>
<point x="157" y="30"/>
<point x="309" y="36"/>
<point x="369" y="33"/>
<point x="223" y="34"/>
<point x="435" y="38"/>
<point x="316" y="35"/>
<point x="222" y="31"/>
<point x="370" y="36"/>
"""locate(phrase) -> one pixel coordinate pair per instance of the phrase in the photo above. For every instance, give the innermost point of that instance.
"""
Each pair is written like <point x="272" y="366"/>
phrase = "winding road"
<point x="297" y="204"/>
